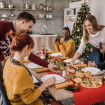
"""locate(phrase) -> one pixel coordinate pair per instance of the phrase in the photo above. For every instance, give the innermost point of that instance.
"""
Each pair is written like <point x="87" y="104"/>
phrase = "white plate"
<point x="25" y="58"/>
<point x="56" y="54"/>
<point x="93" y="70"/>
<point x="59" y="79"/>
<point x="68" y="61"/>
<point x="33" y="66"/>
<point x="34" y="79"/>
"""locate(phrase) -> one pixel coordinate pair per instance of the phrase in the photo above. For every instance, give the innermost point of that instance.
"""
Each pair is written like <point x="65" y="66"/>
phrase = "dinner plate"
<point x="56" y="54"/>
<point x="33" y="66"/>
<point x="68" y="61"/>
<point x="25" y="58"/>
<point x="34" y="79"/>
<point x="59" y="79"/>
<point x="93" y="70"/>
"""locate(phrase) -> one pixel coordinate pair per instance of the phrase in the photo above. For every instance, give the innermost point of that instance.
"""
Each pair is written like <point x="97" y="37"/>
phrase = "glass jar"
<point x="41" y="6"/>
<point x="47" y="8"/>
<point x="44" y="8"/>
<point x="33" y="6"/>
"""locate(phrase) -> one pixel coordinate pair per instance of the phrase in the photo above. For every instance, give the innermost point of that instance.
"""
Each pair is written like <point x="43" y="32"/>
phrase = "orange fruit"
<point x="61" y="68"/>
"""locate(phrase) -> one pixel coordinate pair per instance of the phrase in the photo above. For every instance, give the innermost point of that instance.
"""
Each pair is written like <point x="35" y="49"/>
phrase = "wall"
<point x="54" y="26"/>
<point x="97" y="8"/>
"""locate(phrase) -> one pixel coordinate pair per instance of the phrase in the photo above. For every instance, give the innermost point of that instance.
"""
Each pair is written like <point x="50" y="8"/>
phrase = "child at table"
<point x="66" y="45"/>
<point x="17" y="78"/>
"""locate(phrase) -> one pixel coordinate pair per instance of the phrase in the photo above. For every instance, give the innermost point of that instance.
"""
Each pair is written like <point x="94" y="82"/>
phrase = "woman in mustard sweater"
<point x="66" y="45"/>
<point x="17" y="79"/>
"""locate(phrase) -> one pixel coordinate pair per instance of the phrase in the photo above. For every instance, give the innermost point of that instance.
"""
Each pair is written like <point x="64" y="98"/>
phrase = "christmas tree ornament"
<point x="77" y="31"/>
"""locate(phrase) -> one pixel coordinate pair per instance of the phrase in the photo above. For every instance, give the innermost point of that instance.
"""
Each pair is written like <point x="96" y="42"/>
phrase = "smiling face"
<point x="65" y="34"/>
<point x="89" y="27"/>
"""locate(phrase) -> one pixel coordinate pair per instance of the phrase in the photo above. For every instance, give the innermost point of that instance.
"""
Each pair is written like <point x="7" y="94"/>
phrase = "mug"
<point x="33" y="6"/>
<point x="12" y="14"/>
<point x="2" y="5"/>
<point x="10" y="6"/>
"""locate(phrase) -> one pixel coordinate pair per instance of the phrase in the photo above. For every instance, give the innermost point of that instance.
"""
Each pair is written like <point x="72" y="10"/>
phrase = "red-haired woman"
<point x="16" y="77"/>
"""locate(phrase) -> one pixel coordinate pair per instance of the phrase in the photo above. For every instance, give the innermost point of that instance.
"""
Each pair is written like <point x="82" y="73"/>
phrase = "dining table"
<point x="57" y="94"/>
<point x="62" y="94"/>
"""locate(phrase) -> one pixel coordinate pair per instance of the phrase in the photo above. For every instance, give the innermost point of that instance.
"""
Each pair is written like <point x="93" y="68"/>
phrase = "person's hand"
<point x="58" y="43"/>
<point x="71" y="62"/>
<point x="103" y="49"/>
<point x="52" y="67"/>
<point x="56" y="40"/>
<point x="92" y="64"/>
<point x="5" y="59"/>
<point x="49" y="82"/>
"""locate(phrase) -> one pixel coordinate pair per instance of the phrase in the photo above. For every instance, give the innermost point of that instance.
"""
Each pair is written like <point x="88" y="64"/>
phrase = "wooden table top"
<point x="59" y="94"/>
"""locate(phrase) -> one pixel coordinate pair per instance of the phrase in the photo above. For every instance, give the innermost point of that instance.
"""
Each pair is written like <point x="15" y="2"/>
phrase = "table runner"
<point x="89" y="96"/>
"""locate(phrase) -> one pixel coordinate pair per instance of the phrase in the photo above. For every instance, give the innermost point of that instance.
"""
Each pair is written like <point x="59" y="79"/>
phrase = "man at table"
<point x="23" y="23"/>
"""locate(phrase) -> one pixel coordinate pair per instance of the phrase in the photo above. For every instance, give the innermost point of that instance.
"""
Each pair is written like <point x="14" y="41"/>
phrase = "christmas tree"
<point x="77" y="31"/>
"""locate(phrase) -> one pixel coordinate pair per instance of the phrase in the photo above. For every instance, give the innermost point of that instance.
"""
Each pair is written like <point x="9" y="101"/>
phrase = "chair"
<point x="4" y="95"/>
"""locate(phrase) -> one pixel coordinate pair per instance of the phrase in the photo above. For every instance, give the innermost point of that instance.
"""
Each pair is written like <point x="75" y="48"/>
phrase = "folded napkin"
<point x="78" y="65"/>
<point x="42" y="70"/>
<point x="63" y="85"/>
<point x="63" y="58"/>
<point x="51" y="52"/>
<point x="26" y="61"/>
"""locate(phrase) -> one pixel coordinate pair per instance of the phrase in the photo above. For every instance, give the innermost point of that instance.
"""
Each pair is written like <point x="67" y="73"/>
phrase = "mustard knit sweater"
<point x="67" y="49"/>
<point x="19" y="85"/>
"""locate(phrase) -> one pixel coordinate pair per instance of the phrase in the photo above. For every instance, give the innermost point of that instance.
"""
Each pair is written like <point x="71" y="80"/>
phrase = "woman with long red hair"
<point x="17" y="79"/>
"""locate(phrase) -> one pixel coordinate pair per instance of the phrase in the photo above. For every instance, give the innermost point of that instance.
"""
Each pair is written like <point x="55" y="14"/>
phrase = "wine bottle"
<point x="43" y="50"/>
<point x="100" y="45"/>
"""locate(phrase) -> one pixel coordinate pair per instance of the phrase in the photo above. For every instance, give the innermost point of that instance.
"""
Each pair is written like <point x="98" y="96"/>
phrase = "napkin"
<point x="26" y="61"/>
<point x="63" y="58"/>
<point x="63" y="85"/>
<point x="42" y="70"/>
<point x="78" y="65"/>
<point x="51" y="52"/>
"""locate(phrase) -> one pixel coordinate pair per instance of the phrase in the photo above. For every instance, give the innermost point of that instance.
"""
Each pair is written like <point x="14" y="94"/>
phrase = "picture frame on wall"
<point x="74" y="0"/>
